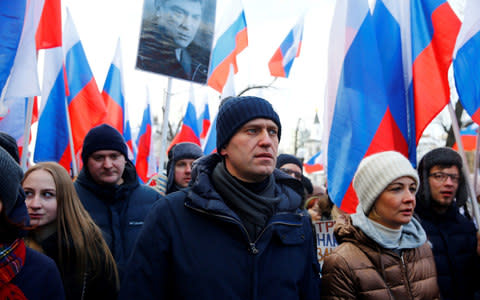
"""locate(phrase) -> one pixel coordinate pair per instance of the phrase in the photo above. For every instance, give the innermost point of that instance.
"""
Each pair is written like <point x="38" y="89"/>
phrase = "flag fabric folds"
<point x="282" y="60"/>
<point x="466" y="62"/>
<point x="113" y="94"/>
<point x="12" y="121"/>
<point x="23" y="80"/>
<point x="374" y="97"/>
<point x="229" y="40"/>
<point x="145" y="160"/>
<point x="189" y="131"/>
<point x="49" y="31"/>
<point x="435" y="27"/>
<point x="204" y="123"/>
<point x="12" y="15"/>
<point x="313" y="164"/>
<point x="52" y="143"/>
<point x="85" y="103"/>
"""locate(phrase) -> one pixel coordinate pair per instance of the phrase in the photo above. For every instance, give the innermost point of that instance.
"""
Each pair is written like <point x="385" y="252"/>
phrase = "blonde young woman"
<point x="383" y="252"/>
<point x="65" y="232"/>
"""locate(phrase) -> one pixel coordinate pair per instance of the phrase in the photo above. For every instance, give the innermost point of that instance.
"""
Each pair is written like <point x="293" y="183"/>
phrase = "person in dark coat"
<point x="179" y="167"/>
<point x="24" y="273"/>
<point x="65" y="232"/>
<point x="442" y="192"/>
<point x="236" y="232"/>
<point x="110" y="192"/>
<point x="383" y="251"/>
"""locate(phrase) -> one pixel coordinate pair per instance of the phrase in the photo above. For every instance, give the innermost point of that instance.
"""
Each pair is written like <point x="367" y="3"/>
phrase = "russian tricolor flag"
<point x="469" y="138"/>
<point x="113" y="93"/>
<point x="189" y="131"/>
<point x="281" y="62"/>
<point x="466" y="61"/>
<point x="85" y="103"/>
<point x="230" y="39"/>
<point x="52" y="143"/>
<point x="145" y="161"/>
<point x="204" y="123"/>
<point x="434" y="30"/>
<point x="313" y="164"/>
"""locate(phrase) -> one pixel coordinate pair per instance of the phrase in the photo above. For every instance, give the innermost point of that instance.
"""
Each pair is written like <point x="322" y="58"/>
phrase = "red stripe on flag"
<point x="430" y="68"/>
<point x="49" y="31"/>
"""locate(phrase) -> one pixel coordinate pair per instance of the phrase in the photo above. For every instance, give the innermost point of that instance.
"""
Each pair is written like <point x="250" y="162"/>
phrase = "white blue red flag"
<point x="85" y="103"/>
<point x="314" y="164"/>
<point x="434" y="30"/>
<point x="189" y="131"/>
<point x="12" y="120"/>
<point x="469" y="138"/>
<point x="466" y="61"/>
<point x="145" y="161"/>
<point x="127" y="135"/>
<point x="282" y="60"/>
<point x="229" y="40"/>
<point x="113" y="94"/>
<point x="52" y="143"/>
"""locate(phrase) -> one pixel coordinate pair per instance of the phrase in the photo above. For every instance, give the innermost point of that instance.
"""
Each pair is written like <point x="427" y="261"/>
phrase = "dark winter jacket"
<point x="39" y="278"/>
<point x="118" y="210"/>
<point x="454" y="241"/>
<point x="102" y="286"/>
<point x="359" y="268"/>
<point x="193" y="246"/>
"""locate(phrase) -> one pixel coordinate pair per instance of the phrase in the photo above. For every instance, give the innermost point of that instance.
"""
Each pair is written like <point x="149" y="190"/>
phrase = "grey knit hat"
<point x="236" y="111"/>
<point x="376" y="172"/>
<point x="10" y="177"/>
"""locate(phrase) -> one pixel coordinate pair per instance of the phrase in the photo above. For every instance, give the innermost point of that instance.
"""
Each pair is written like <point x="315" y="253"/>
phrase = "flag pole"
<point x="26" y="133"/>
<point x="166" y="104"/>
<point x="70" y="142"/>
<point x="466" y="172"/>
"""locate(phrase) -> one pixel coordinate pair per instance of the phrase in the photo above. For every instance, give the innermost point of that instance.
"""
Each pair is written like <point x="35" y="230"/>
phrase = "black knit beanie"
<point x="284" y="159"/>
<point x="445" y="157"/>
<point x="10" y="177"/>
<point x="103" y="137"/>
<point x="8" y="143"/>
<point x="236" y="111"/>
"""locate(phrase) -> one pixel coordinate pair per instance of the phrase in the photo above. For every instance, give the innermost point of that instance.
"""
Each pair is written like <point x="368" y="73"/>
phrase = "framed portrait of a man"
<point x="176" y="38"/>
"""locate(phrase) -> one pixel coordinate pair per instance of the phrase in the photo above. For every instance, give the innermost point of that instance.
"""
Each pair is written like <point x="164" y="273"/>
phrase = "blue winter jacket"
<point x="119" y="211"/>
<point x="193" y="246"/>
<point x="454" y="243"/>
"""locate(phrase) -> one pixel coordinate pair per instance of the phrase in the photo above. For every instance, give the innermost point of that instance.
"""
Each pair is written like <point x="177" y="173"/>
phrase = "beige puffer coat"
<point x="359" y="268"/>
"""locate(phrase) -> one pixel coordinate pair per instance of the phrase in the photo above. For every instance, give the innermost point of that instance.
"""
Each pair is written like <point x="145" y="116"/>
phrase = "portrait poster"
<point x="326" y="241"/>
<point x="176" y="38"/>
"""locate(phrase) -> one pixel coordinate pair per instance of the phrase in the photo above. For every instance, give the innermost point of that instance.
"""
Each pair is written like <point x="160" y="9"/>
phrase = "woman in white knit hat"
<point x="383" y="251"/>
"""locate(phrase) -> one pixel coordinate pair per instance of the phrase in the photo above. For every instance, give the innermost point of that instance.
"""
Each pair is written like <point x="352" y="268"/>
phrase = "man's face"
<point x="183" y="171"/>
<point x="443" y="188"/>
<point x="292" y="170"/>
<point x="181" y="19"/>
<point x="251" y="153"/>
<point x="106" y="166"/>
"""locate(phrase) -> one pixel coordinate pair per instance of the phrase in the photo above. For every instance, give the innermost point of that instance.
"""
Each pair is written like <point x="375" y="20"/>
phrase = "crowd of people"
<point x="235" y="224"/>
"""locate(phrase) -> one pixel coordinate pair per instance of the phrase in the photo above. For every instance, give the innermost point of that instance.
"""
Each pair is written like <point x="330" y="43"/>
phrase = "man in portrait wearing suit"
<point x="166" y="43"/>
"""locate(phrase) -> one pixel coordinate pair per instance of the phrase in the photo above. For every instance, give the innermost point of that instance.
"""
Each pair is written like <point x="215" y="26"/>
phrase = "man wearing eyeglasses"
<point x="440" y="198"/>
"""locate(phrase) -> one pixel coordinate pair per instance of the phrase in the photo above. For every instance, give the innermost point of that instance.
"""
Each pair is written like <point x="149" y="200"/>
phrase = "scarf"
<point x="253" y="209"/>
<point x="12" y="258"/>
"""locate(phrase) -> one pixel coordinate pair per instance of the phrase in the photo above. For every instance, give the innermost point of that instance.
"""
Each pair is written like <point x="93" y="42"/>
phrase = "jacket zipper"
<point x="252" y="245"/>
<point x="405" y="273"/>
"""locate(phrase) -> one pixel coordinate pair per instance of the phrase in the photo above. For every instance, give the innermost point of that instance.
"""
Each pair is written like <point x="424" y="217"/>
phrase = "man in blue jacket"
<point x="109" y="190"/>
<point x="236" y="232"/>
<point x="441" y="194"/>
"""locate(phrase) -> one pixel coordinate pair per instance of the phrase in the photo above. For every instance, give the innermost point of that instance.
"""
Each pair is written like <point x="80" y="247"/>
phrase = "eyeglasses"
<point x="441" y="177"/>
<point x="293" y="173"/>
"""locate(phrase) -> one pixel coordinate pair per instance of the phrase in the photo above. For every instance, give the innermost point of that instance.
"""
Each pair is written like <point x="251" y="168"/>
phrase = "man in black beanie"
<point x="109" y="189"/>
<point x="441" y="193"/>
<point x="236" y="231"/>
